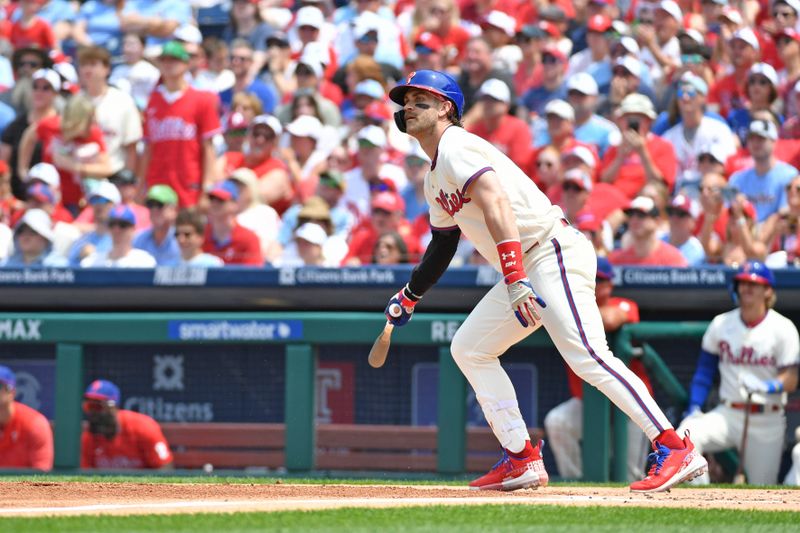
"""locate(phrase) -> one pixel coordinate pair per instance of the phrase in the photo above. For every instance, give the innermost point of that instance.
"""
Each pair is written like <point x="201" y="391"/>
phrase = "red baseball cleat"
<point x="510" y="473"/>
<point x="670" y="467"/>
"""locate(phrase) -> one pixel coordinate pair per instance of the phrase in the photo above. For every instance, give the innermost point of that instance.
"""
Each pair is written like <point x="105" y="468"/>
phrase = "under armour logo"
<point x="509" y="255"/>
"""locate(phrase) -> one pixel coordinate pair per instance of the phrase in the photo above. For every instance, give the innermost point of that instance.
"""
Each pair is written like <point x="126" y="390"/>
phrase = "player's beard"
<point x="421" y="124"/>
<point x="102" y="424"/>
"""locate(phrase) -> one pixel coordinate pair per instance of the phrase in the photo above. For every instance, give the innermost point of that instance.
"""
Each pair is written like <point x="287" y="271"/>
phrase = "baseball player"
<point x="26" y="440"/>
<point x="118" y="438"/>
<point x="548" y="272"/>
<point x="564" y="423"/>
<point x="756" y="352"/>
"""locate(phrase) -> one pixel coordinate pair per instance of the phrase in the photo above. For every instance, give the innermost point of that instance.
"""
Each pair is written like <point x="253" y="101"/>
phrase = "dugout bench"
<point x="339" y="446"/>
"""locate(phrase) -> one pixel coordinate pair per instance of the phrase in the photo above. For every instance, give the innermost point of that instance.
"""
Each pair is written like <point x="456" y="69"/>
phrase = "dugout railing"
<point x="301" y="334"/>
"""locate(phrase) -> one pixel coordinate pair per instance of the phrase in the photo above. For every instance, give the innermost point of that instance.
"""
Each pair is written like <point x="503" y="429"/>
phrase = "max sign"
<point x="20" y="330"/>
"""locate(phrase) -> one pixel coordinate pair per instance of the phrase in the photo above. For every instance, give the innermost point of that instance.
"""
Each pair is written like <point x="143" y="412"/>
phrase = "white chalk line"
<point x="312" y="504"/>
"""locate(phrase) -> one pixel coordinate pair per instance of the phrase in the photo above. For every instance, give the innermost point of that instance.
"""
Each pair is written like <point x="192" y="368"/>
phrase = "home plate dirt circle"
<point x="30" y="498"/>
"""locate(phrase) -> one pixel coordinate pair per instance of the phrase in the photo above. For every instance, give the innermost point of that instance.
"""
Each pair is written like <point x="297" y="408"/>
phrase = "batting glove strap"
<point x="400" y="307"/>
<point x="510" y="253"/>
<point x="774" y="385"/>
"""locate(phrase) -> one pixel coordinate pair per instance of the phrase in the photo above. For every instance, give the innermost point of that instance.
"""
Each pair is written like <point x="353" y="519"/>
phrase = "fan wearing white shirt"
<point x="121" y="225"/>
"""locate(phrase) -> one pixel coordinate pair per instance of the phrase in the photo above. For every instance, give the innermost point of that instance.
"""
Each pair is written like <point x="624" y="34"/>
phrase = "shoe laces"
<point x="504" y="459"/>
<point x="655" y="460"/>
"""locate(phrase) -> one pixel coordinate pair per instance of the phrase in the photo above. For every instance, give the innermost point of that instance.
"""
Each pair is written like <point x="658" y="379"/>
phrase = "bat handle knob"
<point x="395" y="310"/>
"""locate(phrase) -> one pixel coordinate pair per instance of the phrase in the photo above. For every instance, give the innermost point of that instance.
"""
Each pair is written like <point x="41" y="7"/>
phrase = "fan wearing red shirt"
<point x="387" y="216"/>
<point x="71" y="142"/>
<point x="646" y="248"/>
<point x="179" y="124"/>
<point x="31" y="30"/>
<point x="274" y="186"/>
<point x="642" y="156"/>
<point x="224" y="237"/>
<point x="564" y="423"/>
<point x="117" y="438"/>
<point x="730" y="92"/>
<point x="26" y="440"/>
<point x="507" y="133"/>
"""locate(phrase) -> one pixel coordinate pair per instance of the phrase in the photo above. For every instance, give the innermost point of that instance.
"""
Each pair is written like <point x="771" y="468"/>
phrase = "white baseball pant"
<point x="562" y="271"/>
<point x="564" y="428"/>
<point x="721" y="428"/>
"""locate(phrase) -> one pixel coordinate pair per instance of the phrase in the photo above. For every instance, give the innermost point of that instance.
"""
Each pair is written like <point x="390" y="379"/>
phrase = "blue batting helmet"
<point x="752" y="271"/>
<point x="432" y="81"/>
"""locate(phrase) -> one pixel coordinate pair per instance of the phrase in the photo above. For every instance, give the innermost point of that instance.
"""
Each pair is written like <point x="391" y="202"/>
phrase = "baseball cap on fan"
<point x="175" y="50"/>
<point x="582" y="153"/>
<point x="388" y="201"/>
<point x="747" y="35"/>
<point x="310" y="16"/>
<point x="122" y="213"/>
<point x="428" y="43"/>
<point x="269" y="121"/>
<point x="50" y="76"/>
<point x="41" y="193"/>
<point x="578" y="177"/>
<point x="682" y="204"/>
<point x="763" y="128"/>
<point x="599" y="23"/>
<point x="305" y="126"/>
<point x="39" y="221"/>
<point x="7" y="377"/>
<point x="502" y="21"/>
<point x="604" y="269"/>
<point x="372" y="135"/>
<point x="102" y="390"/>
<point x="560" y="108"/>
<point x="496" y="90"/>
<point x="583" y="83"/>
<point x="45" y="173"/>
<point x="642" y="204"/>
<point x="311" y="232"/>
<point x="672" y="8"/>
<point x="371" y="88"/>
<point x="226" y="190"/>
<point x="105" y="192"/>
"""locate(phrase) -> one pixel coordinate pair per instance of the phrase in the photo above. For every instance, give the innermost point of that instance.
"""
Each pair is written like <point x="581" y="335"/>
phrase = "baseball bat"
<point x="380" y="348"/>
<point x="739" y="478"/>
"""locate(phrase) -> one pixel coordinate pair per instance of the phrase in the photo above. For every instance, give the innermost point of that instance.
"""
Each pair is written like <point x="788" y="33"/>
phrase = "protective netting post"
<point x="300" y="402"/>
<point x="69" y="391"/>
<point x="451" y="439"/>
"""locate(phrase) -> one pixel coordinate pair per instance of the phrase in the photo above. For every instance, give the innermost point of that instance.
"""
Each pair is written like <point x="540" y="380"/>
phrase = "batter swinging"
<point x="549" y="276"/>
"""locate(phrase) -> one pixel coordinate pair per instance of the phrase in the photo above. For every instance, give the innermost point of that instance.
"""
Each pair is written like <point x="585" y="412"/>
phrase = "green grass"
<point x="461" y="519"/>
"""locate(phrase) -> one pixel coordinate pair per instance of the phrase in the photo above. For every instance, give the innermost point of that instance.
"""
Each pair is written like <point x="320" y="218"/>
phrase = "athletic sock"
<point x="671" y="440"/>
<point x="527" y="451"/>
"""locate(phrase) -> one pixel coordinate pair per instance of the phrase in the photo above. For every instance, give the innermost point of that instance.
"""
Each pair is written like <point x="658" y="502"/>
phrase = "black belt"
<point x="754" y="407"/>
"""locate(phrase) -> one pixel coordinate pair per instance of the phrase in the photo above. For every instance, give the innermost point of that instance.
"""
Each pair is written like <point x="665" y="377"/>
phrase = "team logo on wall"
<point x="168" y="372"/>
<point x="28" y="390"/>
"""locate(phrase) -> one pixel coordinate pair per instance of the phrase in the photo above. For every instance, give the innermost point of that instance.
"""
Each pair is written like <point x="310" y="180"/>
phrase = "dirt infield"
<point x="29" y="498"/>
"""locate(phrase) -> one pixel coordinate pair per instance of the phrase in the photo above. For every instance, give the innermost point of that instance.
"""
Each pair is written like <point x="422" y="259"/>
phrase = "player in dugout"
<point x="756" y="352"/>
<point x="118" y="438"/>
<point x="26" y="440"/>
<point x="548" y="270"/>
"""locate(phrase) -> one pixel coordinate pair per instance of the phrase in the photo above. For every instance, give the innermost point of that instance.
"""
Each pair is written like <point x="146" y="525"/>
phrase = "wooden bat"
<point x="739" y="478"/>
<point x="380" y="348"/>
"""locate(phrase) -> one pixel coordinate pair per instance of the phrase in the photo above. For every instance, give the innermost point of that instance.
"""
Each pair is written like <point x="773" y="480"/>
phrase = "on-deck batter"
<point x="549" y="275"/>
<point x="756" y="350"/>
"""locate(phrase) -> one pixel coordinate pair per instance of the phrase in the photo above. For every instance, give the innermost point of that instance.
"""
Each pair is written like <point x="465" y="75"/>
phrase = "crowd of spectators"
<point x="135" y="133"/>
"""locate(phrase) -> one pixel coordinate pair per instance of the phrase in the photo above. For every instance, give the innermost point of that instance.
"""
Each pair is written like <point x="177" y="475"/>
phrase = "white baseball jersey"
<point x="463" y="157"/>
<point x="762" y="350"/>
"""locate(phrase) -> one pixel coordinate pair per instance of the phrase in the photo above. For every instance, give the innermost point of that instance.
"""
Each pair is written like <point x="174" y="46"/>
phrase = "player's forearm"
<point x="209" y="164"/>
<point x="434" y="262"/>
<point x="788" y="378"/>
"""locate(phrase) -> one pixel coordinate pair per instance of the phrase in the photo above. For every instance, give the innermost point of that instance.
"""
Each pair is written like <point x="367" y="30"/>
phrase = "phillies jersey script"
<point x="761" y="350"/>
<point x="175" y="133"/>
<point x="463" y="157"/>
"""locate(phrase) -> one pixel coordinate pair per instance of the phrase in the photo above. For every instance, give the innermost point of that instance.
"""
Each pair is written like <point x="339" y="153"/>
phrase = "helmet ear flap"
<point x="400" y="120"/>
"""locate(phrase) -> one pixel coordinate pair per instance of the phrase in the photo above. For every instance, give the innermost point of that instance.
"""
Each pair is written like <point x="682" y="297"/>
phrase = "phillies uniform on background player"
<point x="117" y="438"/>
<point x="549" y="279"/>
<point x="179" y="124"/>
<point x="756" y="351"/>
<point x="26" y="440"/>
<point x="564" y="423"/>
